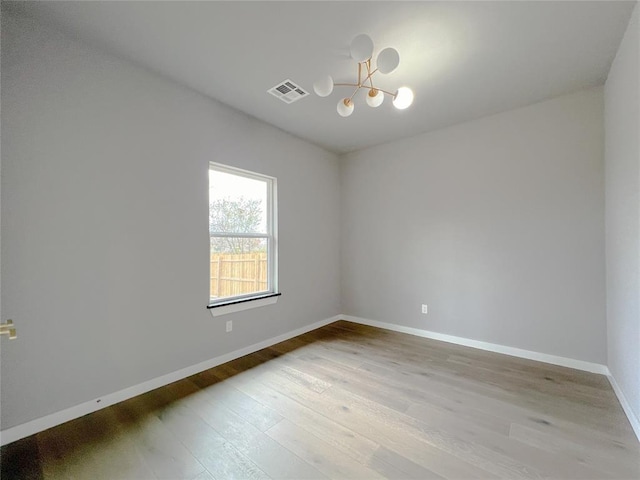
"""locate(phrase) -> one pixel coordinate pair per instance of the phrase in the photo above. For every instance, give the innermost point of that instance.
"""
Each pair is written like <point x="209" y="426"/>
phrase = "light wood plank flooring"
<point x="349" y="401"/>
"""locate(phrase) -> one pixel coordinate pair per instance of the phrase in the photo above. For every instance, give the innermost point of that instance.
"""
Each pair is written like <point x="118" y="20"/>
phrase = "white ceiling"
<point x="463" y="60"/>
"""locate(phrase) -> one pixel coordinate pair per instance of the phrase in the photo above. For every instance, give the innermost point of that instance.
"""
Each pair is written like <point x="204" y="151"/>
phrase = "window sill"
<point x="232" y="306"/>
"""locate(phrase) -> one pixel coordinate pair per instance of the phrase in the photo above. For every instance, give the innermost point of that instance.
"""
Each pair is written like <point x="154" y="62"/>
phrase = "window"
<point x="242" y="233"/>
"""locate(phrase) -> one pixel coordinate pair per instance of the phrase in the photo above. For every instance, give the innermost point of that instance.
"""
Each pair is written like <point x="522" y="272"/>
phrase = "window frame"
<point x="270" y="295"/>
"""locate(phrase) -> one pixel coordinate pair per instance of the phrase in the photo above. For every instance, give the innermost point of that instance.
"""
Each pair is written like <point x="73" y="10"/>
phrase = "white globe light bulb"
<point x="345" y="107"/>
<point x="376" y="99"/>
<point x="388" y="60"/>
<point x="324" y="86"/>
<point x="403" y="98"/>
<point x="361" y="48"/>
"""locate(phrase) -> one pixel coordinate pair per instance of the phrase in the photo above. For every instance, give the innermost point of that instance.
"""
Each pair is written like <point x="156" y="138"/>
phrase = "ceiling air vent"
<point x="288" y="92"/>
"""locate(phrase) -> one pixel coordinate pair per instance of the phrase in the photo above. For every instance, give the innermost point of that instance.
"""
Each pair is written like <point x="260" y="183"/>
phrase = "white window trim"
<point x="270" y="296"/>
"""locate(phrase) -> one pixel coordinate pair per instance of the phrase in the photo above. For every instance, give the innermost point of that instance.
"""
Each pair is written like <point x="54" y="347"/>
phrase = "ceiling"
<point x="463" y="60"/>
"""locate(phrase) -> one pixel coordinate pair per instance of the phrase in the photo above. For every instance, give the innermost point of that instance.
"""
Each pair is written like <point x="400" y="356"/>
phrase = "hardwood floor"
<point x="349" y="401"/>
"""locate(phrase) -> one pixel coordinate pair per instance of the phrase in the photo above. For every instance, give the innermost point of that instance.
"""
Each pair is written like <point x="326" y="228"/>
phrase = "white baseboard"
<point x="491" y="347"/>
<point x="626" y="406"/>
<point x="38" y="425"/>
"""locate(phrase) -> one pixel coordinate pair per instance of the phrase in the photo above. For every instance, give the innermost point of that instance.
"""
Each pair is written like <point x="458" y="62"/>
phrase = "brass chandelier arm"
<point x="354" y="93"/>
<point x="369" y="73"/>
<point x="362" y="86"/>
<point x="384" y="91"/>
<point x="362" y="81"/>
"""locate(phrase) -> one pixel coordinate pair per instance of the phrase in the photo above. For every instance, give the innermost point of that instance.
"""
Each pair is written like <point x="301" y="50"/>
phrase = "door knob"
<point x="8" y="329"/>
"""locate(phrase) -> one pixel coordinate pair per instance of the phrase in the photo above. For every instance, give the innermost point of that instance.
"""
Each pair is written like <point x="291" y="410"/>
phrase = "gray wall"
<point x="104" y="224"/>
<point x="622" y="160"/>
<point x="497" y="224"/>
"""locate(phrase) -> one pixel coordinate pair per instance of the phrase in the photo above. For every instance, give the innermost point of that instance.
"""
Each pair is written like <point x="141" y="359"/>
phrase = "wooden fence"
<point x="237" y="274"/>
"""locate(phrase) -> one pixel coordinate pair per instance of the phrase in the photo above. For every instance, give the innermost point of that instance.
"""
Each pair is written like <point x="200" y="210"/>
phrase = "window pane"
<point x="237" y="204"/>
<point x="238" y="266"/>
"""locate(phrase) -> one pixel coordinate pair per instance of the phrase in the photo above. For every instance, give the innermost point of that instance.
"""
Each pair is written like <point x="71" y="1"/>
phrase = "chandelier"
<point x="387" y="61"/>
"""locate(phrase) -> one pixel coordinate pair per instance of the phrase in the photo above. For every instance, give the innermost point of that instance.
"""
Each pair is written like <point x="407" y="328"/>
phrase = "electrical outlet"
<point x="229" y="325"/>
<point x="424" y="309"/>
